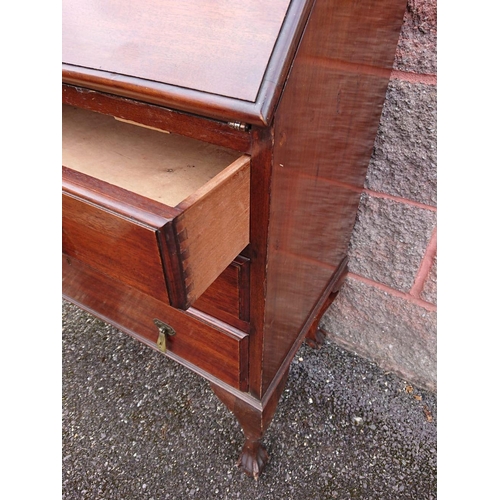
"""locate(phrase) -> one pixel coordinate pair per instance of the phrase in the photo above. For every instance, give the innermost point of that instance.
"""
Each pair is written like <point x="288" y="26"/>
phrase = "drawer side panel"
<point x="214" y="227"/>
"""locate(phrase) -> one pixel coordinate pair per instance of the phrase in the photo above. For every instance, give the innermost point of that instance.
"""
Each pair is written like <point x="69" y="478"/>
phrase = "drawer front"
<point x="228" y="297"/>
<point x="118" y="181"/>
<point x="122" y="248"/>
<point x="217" y="350"/>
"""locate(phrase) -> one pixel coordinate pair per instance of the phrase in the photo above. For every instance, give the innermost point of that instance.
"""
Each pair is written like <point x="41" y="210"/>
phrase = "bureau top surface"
<point x="219" y="47"/>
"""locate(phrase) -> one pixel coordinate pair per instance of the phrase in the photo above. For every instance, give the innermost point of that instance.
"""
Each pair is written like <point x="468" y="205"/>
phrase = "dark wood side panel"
<point x="325" y="127"/>
<point x="221" y="352"/>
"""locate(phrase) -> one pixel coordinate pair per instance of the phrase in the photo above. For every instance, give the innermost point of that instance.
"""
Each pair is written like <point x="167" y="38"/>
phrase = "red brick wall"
<point x="387" y="308"/>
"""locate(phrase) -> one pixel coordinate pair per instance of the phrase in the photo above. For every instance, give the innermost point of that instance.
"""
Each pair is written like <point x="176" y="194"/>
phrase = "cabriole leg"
<point x="254" y="418"/>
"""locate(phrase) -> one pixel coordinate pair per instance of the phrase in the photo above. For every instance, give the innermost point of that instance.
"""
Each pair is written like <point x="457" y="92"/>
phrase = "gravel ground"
<point x="138" y="426"/>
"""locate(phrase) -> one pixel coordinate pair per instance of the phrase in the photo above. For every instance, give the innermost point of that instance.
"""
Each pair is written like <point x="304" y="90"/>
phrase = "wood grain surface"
<point x="220" y="47"/>
<point x="325" y="128"/>
<point x="220" y="352"/>
<point x="214" y="226"/>
<point x="114" y="244"/>
<point x="227" y="298"/>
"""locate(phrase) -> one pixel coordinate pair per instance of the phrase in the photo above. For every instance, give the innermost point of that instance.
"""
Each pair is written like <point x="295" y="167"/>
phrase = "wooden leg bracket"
<point x="314" y="337"/>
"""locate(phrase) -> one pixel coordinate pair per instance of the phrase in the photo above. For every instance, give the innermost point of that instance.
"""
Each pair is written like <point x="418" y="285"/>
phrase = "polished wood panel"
<point x="214" y="106"/>
<point x="325" y="127"/>
<point x="262" y="152"/>
<point x="227" y="298"/>
<point x="219" y="47"/>
<point x="115" y="245"/>
<point x="221" y="352"/>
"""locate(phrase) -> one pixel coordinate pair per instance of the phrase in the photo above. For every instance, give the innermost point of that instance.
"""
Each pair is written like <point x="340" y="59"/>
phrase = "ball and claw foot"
<point x="253" y="458"/>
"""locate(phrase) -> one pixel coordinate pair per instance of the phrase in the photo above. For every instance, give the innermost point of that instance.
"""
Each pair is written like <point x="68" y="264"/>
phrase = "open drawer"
<point x="161" y="212"/>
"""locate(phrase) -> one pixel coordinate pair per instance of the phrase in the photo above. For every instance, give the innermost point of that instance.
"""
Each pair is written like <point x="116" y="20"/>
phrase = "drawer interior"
<point x="162" y="212"/>
<point x="159" y="165"/>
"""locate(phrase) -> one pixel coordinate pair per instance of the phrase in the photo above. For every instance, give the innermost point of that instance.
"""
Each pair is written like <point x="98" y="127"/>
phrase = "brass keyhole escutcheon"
<point x="164" y="331"/>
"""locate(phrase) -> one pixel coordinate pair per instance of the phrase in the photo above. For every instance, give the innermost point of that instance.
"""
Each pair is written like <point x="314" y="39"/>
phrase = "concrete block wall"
<point x="387" y="309"/>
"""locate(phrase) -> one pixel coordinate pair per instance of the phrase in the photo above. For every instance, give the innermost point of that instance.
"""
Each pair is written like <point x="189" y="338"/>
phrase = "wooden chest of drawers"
<point x="213" y="158"/>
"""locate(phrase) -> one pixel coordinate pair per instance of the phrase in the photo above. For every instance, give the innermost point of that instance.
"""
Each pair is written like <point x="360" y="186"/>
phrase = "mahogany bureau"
<point x="214" y="153"/>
